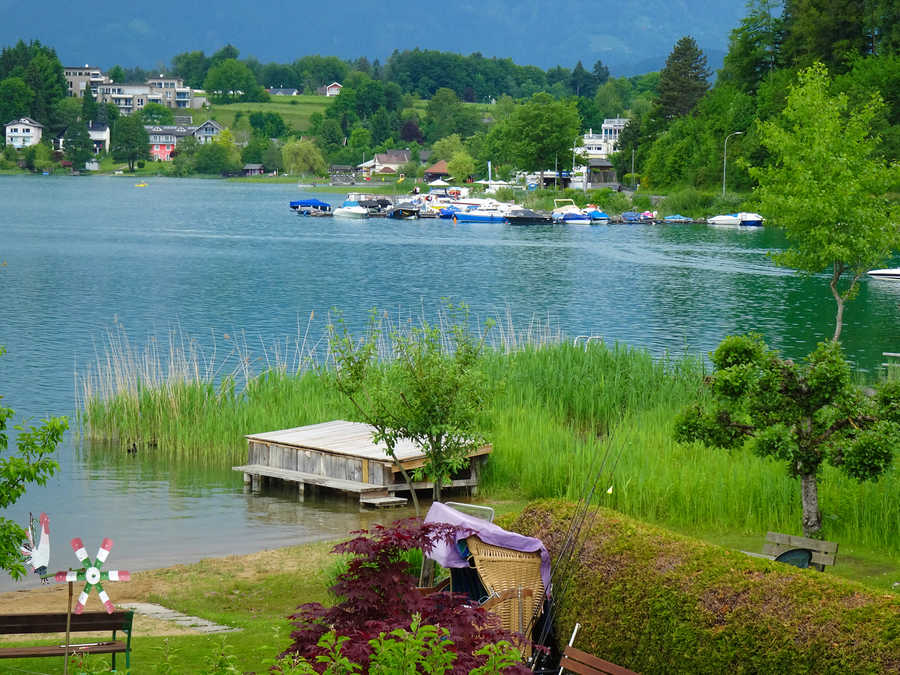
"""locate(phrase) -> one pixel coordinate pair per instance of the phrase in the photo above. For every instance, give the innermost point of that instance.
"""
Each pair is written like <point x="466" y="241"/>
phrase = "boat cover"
<point x="449" y="555"/>
<point x="310" y="202"/>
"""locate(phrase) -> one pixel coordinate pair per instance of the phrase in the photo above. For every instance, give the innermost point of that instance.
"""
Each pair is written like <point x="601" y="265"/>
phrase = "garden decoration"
<point x="91" y="574"/>
<point x="37" y="557"/>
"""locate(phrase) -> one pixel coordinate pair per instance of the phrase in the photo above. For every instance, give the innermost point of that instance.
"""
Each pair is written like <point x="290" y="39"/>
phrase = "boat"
<point x="677" y="218"/>
<point x="566" y="211"/>
<point x="404" y="211"/>
<point x="523" y="216"/>
<point x="633" y="217"/>
<point x="892" y="273"/>
<point x="141" y="184"/>
<point x="597" y="215"/>
<point x="742" y="219"/>
<point x="725" y="220"/>
<point x="479" y="216"/>
<point x="351" y="208"/>
<point x="311" y="207"/>
<point x="750" y="219"/>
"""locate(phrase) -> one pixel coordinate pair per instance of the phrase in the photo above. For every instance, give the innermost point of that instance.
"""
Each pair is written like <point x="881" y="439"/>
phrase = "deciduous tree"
<point x="827" y="186"/>
<point x="543" y="130"/>
<point x="130" y="141"/>
<point x="804" y="414"/>
<point x="32" y="464"/>
<point x="430" y="392"/>
<point x="156" y="113"/>
<point x="15" y="99"/>
<point x="302" y="157"/>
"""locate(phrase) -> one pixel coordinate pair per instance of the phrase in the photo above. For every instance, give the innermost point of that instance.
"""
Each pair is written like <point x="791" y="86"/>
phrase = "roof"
<point x="171" y="129"/>
<point x="252" y="166"/>
<point x="26" y="120"/>
<point x="97" y="126"/>
<point x="393" y="157"/>
<point x="386" y="169"/>
<point x="278" y="91"/>
<point x="438" y="167"/>
<point x="595" y="163"/>
<point x="334" y="84"/>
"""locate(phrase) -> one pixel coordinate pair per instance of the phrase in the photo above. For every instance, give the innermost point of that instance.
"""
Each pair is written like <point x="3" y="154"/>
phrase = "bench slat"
<point x="583" y="663"/>
<point x="59" y="650"/>
<point x="55" y="622"/>
<point x="792" y="541"/>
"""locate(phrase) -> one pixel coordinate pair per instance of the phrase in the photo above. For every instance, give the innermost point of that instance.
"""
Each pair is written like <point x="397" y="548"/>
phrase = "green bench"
<point x="55" y="622"/>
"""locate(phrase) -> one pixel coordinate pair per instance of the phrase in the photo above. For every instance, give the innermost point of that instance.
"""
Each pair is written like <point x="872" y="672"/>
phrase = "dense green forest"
<point x="471" y="109"/>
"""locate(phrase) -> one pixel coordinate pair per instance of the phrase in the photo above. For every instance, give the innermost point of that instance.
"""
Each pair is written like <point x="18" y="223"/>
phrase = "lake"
<point x="84" y="256"/>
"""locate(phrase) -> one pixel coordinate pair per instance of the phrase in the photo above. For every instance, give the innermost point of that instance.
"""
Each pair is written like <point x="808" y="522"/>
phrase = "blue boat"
<point x="677" y="218"/>
<point x="478" y="216"/>
<point x="311" y="207"/>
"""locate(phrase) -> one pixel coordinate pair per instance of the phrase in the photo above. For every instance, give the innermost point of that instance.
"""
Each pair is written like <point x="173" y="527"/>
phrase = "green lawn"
<point x="295" y="110"/>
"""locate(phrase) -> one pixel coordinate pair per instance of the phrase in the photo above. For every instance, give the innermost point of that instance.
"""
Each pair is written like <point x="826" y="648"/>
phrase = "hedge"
<point x="658" y="602"/>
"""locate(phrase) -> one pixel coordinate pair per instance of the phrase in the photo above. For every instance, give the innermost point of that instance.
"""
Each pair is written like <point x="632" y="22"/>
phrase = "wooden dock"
<point x="342" y="456"/>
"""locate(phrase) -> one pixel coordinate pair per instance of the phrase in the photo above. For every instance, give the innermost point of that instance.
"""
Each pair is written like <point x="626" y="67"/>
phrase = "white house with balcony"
<point x="602" y="145"/>
<point x="23" y="132"/>
<point x="79" y="78"/>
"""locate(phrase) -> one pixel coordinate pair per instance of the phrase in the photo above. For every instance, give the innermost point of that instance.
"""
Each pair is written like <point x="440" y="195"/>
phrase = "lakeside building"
<point x="602" y="145"/>
<point x="332" y="89"/>
<point x="164" y="138"/>
<point x="98" y="132"/>
<point x="23" y="132"/>
<point x="79" y="78"/>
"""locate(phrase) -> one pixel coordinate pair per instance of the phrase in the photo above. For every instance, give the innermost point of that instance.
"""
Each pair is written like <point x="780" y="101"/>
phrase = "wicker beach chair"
<point x="513" y="582"/>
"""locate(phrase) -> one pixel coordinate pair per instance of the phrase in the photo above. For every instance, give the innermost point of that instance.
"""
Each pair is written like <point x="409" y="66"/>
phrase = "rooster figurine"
<point x="37" y="557"/>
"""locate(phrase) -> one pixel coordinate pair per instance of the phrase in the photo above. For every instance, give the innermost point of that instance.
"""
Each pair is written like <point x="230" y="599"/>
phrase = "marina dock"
<point x="342" y="456"/>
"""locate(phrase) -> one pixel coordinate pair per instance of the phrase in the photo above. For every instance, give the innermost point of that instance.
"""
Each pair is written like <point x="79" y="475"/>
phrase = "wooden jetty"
<point x="342" y="456"/>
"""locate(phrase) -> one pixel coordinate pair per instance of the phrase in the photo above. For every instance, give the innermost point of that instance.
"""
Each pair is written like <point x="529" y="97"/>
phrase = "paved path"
<point x="183" y="620"/>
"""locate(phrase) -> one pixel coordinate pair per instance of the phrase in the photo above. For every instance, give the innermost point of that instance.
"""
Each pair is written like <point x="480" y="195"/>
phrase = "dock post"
<point x="300" y="492"/>
<point x="473" y="473"/>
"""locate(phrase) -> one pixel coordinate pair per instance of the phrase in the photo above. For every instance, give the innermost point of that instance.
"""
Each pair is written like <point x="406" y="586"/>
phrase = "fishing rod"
<point x="564" y="564"/>
<point x="564" y="558"/>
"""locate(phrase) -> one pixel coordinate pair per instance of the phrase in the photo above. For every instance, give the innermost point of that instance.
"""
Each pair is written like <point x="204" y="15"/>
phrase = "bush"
<point x="689" y="202"/>
<point x="140" y="164"/>
<point x="379" y="596"/>
<point x="641" y="202"/>
<point x="648" y="598"/>
<point x="609" y="200"/>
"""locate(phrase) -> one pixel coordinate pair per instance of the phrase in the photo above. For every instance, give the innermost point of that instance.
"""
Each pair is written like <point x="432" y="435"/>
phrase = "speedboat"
<point x="633" y="217"/>
<point x="725" y="220"/>
<point x="677" y="218"/>
<point x="566" y="211"/>
<point x="892" y="273"/>
<point x="523" y="216"/>
<point x="750" y="219"/>
<point x="351" y="208"/>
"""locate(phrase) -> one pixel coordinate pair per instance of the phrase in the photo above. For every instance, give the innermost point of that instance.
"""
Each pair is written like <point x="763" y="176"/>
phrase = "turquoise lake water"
<point x="85" y="256"/>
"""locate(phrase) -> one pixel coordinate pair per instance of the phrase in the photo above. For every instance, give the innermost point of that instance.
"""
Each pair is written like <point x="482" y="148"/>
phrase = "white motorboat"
<point x="892" y="273"/>
<point x="351" y="208"/>
<point x="566" y="211"/>
<point x="742" y="219"/>
<point x="726" y="220"/>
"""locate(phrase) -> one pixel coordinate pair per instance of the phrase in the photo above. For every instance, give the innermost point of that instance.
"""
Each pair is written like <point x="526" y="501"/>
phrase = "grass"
<point x="295" y="110"/>
<point x="556" y="412"/>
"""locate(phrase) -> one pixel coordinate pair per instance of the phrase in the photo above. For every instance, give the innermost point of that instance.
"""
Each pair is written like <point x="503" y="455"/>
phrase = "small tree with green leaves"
<point x="430" y="390"/>
<point x="804" y="414"/>
<point x="32" y="464"/>
<point x="827" y="186"/>
<point x="77" y="145"/>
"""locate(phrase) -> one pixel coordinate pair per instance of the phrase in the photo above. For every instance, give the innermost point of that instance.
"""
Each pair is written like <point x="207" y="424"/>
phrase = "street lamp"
<point x="725" y="157"/>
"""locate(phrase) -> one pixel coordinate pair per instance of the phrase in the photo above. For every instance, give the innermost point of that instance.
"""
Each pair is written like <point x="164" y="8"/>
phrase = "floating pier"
<point x="341" y="455"/>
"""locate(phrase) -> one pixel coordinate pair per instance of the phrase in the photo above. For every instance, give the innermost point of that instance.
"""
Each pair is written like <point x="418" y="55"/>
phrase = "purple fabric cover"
<point x="448" y="555"/>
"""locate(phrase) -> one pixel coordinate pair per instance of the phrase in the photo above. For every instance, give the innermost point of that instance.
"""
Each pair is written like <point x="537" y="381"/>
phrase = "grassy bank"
<point x="556" y="411"/>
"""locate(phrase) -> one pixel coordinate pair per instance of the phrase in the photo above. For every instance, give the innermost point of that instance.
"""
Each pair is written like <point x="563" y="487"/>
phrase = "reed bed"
<point x="556" y="411"/>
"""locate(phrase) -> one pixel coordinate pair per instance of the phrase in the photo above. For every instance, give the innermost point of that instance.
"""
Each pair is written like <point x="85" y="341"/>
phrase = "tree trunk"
<point x="809" y="494"/>
<point x="839" y="299"/>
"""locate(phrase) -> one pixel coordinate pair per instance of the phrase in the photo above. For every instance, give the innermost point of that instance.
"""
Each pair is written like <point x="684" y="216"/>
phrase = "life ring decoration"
<point x="92" y="574"/>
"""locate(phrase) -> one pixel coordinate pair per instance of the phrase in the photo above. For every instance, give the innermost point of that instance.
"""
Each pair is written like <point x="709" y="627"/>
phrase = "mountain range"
<point x="629" y="36"/>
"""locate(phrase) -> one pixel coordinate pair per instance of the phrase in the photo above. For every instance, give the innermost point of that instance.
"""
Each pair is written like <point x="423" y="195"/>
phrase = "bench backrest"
<point x="577" y="661"/>
<point x="55" y="622"/>
<point x="824" y="552"/>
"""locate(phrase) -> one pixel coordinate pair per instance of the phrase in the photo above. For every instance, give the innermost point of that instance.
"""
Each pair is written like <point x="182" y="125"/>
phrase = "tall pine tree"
<point x="683" y="81"/>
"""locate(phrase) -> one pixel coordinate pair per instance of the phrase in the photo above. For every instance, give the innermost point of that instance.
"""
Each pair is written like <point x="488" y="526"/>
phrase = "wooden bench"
<point x="577" y="661"/>
<point x="87" y="622"/>
<point x="823" y="552"/>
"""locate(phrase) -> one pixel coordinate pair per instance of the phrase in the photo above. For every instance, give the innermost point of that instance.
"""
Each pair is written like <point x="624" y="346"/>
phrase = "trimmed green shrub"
<point x="658" y="602"/>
